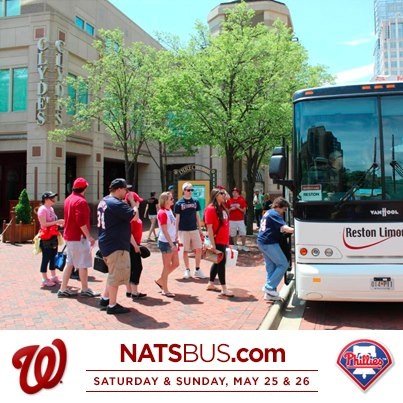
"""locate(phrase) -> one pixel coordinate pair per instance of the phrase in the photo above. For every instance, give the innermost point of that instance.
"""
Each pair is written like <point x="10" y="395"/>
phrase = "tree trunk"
<point x="162" y="165"/>
<point x="230" y="160"/>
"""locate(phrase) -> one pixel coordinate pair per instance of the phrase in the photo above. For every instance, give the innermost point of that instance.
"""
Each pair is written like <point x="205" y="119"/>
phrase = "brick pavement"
<point x="25" y="305"/>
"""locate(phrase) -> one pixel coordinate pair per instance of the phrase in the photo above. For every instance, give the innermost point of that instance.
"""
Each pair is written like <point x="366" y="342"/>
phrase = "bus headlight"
<point x="328" y="252"/>
<point x="315" y="252"/>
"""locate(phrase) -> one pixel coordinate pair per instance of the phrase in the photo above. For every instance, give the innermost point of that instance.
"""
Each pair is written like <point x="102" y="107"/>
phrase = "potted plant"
<point x="22" y="227"/>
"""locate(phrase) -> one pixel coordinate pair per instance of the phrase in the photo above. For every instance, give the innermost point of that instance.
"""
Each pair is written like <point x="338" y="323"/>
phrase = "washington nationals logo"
<point x="364" y="361"/>
<point x="24" y="357"/>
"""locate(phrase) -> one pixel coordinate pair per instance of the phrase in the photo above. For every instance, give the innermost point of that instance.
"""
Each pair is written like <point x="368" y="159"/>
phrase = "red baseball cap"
<point x="235" y="190"/>
<point x="80" y="183"/>
<point x="136" y="197"/>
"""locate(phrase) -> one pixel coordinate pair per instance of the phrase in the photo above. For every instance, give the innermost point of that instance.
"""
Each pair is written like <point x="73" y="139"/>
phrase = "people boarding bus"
<point x="347" y="191"/>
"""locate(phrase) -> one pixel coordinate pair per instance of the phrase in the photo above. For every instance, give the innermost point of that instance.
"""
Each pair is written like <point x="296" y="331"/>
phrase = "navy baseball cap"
<point x="119" y="183"/>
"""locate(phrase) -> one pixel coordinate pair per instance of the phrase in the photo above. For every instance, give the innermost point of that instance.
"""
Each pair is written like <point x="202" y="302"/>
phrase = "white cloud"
<point x="355" y="75"/>
<point x="358" y="42"/>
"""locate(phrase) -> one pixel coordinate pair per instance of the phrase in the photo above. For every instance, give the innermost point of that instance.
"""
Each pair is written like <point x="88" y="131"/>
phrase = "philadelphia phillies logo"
<point x="26" y="356"/>
<point x="364" y="361"/>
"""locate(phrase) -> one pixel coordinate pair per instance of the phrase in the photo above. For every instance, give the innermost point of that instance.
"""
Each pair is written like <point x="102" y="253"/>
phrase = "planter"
<point x="19" y="233"/>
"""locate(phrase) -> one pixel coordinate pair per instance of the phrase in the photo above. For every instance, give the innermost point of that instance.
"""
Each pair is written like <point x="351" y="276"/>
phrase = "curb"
<point x="273" y="317"/>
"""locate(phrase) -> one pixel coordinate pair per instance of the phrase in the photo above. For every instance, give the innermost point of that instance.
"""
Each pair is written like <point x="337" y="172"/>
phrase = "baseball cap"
<point x="235" y="190"/>
<point x="48" y="195"/>
<point x="119" y="183"/>
<point x="80" y="183"/>
<point x="136" y="197"/>
<point x="171" y="187"/>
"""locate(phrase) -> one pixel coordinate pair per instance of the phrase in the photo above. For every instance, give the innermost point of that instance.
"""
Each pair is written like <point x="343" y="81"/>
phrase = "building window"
<point x="80" y="96"/>
<point x="85" y="26"/>
<point x="9" y="8"/>
<point x="89" y="29"/>
<point x="79" y="22"/>
<point x="13" y="89"/>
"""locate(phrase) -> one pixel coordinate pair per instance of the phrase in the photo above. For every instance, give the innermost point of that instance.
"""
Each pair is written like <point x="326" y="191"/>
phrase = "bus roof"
<point x="354" y="90"/>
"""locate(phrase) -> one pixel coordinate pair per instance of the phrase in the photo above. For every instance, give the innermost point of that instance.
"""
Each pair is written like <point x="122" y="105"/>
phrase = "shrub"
<point x="23" y="210"/>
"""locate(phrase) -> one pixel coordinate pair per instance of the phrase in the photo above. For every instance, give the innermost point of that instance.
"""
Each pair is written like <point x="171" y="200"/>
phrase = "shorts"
<point x="237" y="226"/>
<point x="152" y="216"/>
<point x="118" y="263"/>
<point x="79" y="254"/>
<point x="191" y="240"/>
<point x="164" y="247"/>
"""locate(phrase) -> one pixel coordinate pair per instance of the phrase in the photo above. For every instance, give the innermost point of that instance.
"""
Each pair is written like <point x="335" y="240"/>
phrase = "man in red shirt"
<point x="237" y="207"/>
<point x="78" y="239"/>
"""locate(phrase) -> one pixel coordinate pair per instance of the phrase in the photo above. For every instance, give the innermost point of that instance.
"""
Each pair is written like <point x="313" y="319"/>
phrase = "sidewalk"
<point x="25" y="305"/>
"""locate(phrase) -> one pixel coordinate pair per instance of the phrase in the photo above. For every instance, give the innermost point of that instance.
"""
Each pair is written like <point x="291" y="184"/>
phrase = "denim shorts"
<point x="164" y="247"/>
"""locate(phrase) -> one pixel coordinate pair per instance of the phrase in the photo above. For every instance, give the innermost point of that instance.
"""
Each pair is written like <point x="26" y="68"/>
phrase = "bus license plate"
<point x="382" y="283"/>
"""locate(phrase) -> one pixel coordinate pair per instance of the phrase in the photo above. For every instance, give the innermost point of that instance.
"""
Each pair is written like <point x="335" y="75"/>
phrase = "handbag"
<point x="144" y="252"/>
<point x="212" y="257"/>
<point x="99" y="263"/>
<point x="60" y="259"/>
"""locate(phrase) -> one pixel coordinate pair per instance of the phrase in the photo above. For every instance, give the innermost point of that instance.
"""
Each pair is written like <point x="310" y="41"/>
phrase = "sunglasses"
<point x="222" y="193"/>
<point x="189" y="190"/>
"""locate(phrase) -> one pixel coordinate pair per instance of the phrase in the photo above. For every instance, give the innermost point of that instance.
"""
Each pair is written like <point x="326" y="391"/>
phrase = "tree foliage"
<point x="234" y="91"/>
<point x="23" y="210"/>
<point x="120" y="84"/>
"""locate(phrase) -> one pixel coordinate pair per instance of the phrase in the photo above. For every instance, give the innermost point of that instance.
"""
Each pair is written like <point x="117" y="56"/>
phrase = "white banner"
<point x="98" y="366"/>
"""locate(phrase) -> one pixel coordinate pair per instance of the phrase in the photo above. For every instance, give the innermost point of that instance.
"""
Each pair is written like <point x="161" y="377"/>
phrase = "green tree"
<point x="23" y="210"/>
<point x="120" y="84"/>
<point x="234" y="91"/>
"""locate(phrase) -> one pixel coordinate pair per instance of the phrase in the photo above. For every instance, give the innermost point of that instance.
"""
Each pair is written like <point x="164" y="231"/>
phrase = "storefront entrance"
<point x="13" y="173"/>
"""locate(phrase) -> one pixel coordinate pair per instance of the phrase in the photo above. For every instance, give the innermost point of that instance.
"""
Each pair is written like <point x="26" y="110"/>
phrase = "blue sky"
<point x="338" y="34"/>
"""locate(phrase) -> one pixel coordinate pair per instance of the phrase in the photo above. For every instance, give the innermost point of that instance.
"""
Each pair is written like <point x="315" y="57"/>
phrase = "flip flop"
<point x="168" y="294"/>
<point x="158" y="284"/>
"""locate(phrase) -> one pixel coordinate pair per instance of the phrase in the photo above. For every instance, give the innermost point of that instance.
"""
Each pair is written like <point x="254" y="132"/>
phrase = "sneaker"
<point x="103" y="304"/>
<point x="199" y="274"/>
<point x="56" y="280"/>
<point x="272" y="293"/>
<point x="137" y="296"/>
<point x="117" y="309"/>
<point x="268" y="297"/>
<point x="48" y="283"/>
<point x="66" y="294"/>
<point x="245" y="248"/>
<point x="89" y="293"/>
<point x="186" y="274"/>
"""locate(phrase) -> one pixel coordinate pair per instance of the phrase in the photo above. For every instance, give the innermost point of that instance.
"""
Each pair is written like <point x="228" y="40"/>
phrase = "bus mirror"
<point x="278" y="164"/>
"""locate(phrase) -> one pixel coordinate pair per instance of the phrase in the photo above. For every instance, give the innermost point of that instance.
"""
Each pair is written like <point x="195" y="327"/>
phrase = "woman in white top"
<point x="167" y="241"/>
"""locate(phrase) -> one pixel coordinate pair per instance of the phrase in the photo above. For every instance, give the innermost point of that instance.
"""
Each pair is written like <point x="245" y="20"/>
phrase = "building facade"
<point x="43" y="41"/>
<point x="389" y="43"/>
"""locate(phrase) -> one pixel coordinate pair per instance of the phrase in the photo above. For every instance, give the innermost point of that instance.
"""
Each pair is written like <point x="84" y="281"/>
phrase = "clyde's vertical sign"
<point x="43" y="87"/>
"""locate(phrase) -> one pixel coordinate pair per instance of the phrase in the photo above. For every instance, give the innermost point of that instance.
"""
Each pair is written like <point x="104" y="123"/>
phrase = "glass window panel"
<point x="89" y="29"/>
<point x="392" y="120"/>
<point x="4" y="90"/>
<point x="13" y="7"/>
<point x="83" y="94"/>
<point x="2" y="8"/>
<point x="330" y="136"/>
<point x="79" y="22"/>
<point x="71" y="109"/>
<point x="20" y="84"/>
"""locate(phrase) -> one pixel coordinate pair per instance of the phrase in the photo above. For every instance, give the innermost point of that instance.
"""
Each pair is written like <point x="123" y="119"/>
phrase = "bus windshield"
<point x="349" y="148"/>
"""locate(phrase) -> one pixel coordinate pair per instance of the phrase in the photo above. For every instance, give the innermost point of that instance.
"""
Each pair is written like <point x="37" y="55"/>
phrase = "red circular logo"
<point x="24" y="357"/>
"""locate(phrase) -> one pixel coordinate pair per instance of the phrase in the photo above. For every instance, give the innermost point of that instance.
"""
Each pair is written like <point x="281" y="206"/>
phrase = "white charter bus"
<point x="347" y="185"/>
